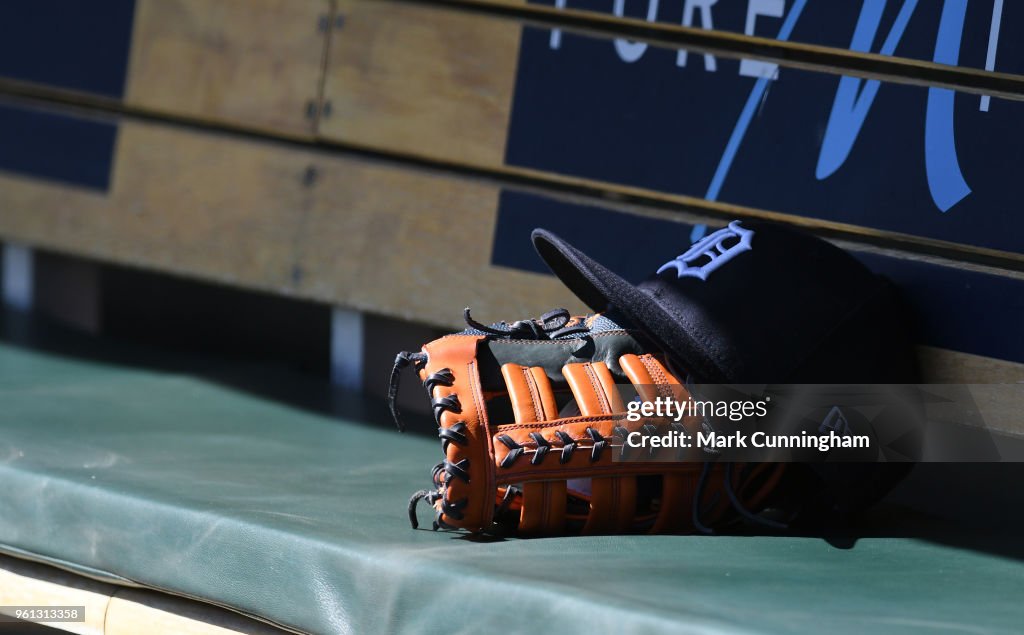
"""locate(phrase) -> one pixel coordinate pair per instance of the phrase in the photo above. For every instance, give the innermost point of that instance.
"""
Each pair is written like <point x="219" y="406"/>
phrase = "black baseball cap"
<point x="755" y="302"/>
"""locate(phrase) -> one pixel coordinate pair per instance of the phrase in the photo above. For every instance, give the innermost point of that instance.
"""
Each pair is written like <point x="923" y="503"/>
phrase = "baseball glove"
<point x="532" y="419"/>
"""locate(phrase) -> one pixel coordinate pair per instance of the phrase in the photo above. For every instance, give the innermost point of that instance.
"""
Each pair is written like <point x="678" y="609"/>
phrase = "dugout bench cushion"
<point x="183" y="485"/>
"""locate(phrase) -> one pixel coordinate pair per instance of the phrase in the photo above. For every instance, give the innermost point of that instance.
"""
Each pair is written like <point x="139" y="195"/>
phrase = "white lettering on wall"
<point x="769" y="8"/>
<point x="628" y="50"/>
<point x="689" y="8"/>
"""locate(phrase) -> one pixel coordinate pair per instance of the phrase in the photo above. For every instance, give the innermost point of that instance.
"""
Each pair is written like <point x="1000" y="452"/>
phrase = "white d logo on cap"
<point x="711" y="252"/>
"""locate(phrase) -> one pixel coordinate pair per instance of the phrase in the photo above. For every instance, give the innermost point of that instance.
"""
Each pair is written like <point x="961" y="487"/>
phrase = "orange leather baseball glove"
<point x="532" y="420"/>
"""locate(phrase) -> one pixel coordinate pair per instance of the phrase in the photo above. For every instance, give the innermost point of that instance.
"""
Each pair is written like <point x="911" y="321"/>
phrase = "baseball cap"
<point x="755" y="302"/>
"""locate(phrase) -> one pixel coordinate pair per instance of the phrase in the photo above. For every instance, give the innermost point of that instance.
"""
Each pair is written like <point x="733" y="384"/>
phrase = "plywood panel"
<point x="951" y="367"/>
<point x="999" y="405"/>
<point x="421" y="80"/>
<point x="440" y="82"/>
<point x="338" y="229"/>
<point x="254" y="63"/>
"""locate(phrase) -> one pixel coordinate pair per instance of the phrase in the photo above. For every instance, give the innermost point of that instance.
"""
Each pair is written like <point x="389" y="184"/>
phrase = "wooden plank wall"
<point x="252" y="63"/>
<point x="390" y="155"/>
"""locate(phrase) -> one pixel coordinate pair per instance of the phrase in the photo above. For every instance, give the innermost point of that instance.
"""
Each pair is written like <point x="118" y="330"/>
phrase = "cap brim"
<point x="598" y="287"/>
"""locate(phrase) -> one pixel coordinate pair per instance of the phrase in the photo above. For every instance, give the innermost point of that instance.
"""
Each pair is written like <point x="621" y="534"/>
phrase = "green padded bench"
<point x="159" y="480"/>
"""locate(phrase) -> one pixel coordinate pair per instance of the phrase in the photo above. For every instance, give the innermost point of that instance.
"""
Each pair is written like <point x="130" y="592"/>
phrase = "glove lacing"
<point x="550" y="325"/>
